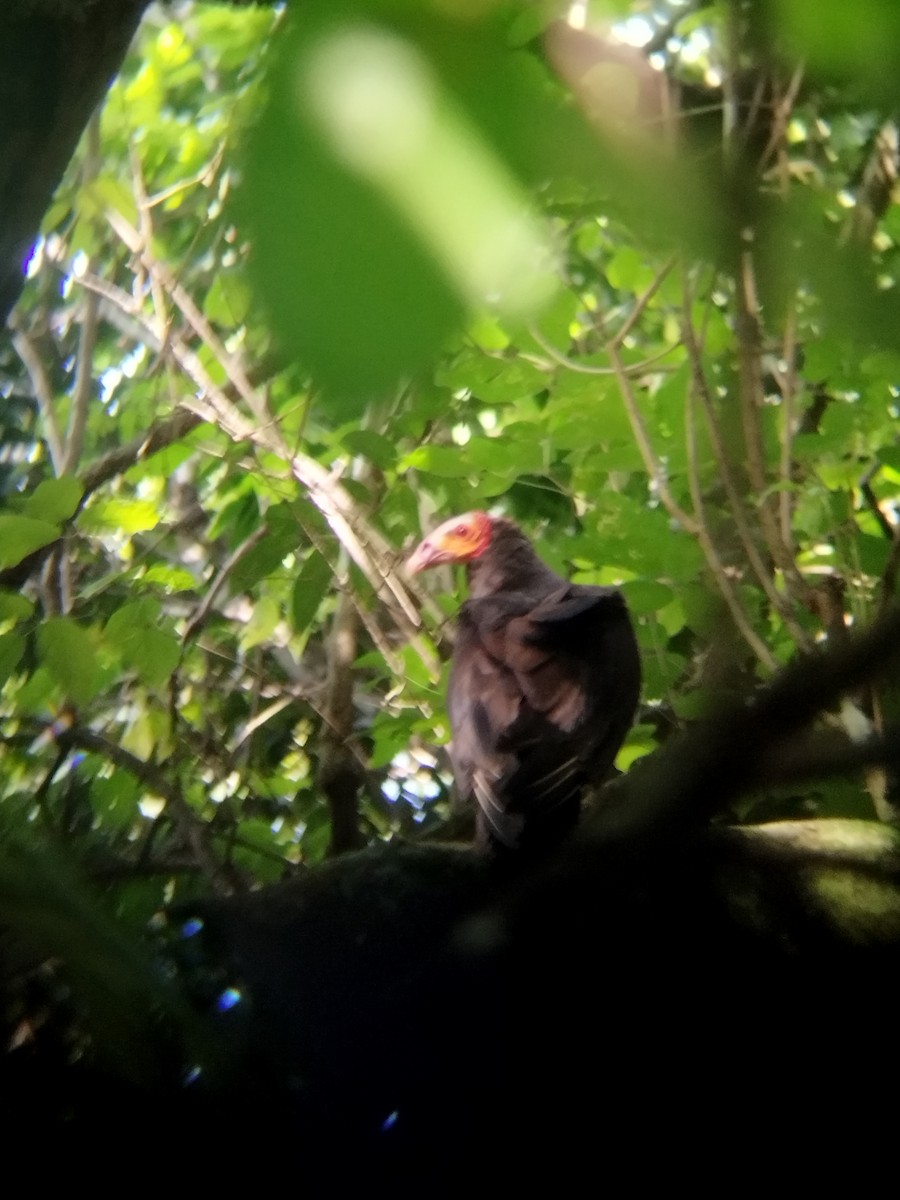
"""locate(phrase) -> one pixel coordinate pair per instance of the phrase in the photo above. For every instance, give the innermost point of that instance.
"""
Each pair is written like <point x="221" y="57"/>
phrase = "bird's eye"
<point x="462" y="530"/>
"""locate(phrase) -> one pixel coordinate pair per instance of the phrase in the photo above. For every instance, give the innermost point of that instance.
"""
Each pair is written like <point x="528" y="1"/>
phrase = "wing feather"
<point x="542" y="691"/>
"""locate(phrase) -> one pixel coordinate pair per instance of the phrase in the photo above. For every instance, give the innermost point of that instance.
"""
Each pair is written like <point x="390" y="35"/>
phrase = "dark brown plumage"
<point x="543" y="686"/>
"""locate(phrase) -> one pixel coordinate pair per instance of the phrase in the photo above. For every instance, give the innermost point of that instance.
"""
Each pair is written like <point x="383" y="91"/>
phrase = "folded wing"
<point x="542" y="692"/>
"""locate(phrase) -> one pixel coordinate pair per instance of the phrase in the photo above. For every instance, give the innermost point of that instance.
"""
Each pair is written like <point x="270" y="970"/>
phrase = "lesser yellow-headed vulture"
<point x="543" y="686"/>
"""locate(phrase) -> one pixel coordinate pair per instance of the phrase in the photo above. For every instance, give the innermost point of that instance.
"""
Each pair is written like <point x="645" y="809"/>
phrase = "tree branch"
<point x="87" y="339"/>
<point x="652" y="464"/>
<point x="752" y="400"/>
<point x="735" y="500"/>
<point x="196" y="833"/>
<point x="726" y="587"/>
<point x="368" y="549"/>
<point x="43" y="391"/>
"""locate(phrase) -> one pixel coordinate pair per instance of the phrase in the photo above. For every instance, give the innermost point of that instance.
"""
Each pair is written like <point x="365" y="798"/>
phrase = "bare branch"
<point x="339" y="773"/>
<point x="43" y="391"/>
<point x="752" y="400"/>
<point x="365" y="545"/>
<point x="643" y="300"/>
<point x="87" y="339"/>
<point x="781" y="116"/>
<point x="652" y="464"/>
<point x="787" y="384"/>
<point x="161" y="433"/>
<point x="876" y="188"/>
<point x="572" y="364"/>
<point x="616" y="341"/>
<point x="195" y="832"/>
<point x="884" y="523"/>
<point x="84" y="384"/>
<point x="201" y="614"/>
<point x="735" y="500"/>
<point x="716" y="566"/>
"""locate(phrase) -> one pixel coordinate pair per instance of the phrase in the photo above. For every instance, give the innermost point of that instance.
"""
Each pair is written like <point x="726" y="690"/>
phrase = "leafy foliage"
<point x="311" y="284"/>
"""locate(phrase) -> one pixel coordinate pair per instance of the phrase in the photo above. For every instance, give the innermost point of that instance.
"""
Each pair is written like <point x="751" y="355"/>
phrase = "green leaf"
<point x="639" y="743"/>
<point x="173" y="579"/>
<point x="372" y="191"/>
<point x="661" y="671"/>
<point x="310" y="587"/>
<point x="373" y="446"/>
<point x="165" y="461"/>
<point x="156" y="656"/>
<point x="12" y="647"/>
<point x="263" y="621"/>
<point x="21" y="536"/>
<point x="646" y="595"/>
<point x="487" y="333"/>
<point x="450" y="462"/>
<point x="268" y="554"/>
<point x="107" y="193"/>
<point x="872" y="554"/>
<point x="128" y="621"/>
<point x="628" y="270"/>
<point x="227" y="300"/>
<point x="127" y="516"/>
<point x="328" y="246"/>
<point x="150" y="650"/>
<point x="857" y="42"/>
<point x="54" y="500"/>
<point x="14" y="606"/>
<point x="69" y="654"/>
<point x="890" y="456"/>
<point x="115" y="799"/>
<point x="147" y="735"/>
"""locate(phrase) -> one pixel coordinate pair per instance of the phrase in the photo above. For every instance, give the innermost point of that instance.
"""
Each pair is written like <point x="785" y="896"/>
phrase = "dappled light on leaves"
<point x="381" y="106"/>
<point x="320" y="274"/>
<point x="391" y="174"/>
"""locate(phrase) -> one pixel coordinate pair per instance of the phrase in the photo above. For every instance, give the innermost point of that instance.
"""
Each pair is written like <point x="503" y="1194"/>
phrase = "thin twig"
<point x="726" y="588"/>
<point x="145" y="225"/>
<point x="367" y="548"/>
<point x="643" y="300"/>
<point x="782" y="116"/>
<point x="379" y="640"/>
<point x="787" y="384"/>
<point x="652" y="464"/>
<point x="255" y="722"/>
<point x="195" y="832"/>
<point x="735" y="500"/>
<point x="87" y="339"/>
<point x="206" y="175"/>
<point x="572" y="364"/>
<point x="752" y="401"/>
<point x="43" y="391"/>
<point x="201" y="614"/>
<point x="84" y="385"/>
<point x="616" y="341"/>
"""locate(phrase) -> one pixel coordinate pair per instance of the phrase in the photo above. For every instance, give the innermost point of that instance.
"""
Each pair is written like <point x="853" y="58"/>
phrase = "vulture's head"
<point x="458" y="540"/>
<point x="497" y="554"/>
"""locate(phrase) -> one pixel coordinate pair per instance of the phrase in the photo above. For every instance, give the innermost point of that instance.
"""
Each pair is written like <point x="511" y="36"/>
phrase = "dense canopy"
<point x="317" y="276"/>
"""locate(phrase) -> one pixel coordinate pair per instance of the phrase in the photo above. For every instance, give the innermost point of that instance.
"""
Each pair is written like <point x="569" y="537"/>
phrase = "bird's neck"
<point x="508" y="565"/>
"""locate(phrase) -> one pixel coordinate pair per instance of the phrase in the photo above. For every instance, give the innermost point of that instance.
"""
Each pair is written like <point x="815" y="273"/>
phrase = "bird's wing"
<point x="537" y="698"/>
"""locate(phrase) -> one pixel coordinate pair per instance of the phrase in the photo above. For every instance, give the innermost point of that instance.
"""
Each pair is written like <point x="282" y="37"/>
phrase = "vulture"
<point x="543" y="687"/>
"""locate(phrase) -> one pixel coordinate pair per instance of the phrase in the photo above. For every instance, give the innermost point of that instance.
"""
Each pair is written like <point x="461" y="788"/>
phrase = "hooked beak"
<point x="426" y="554"/>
